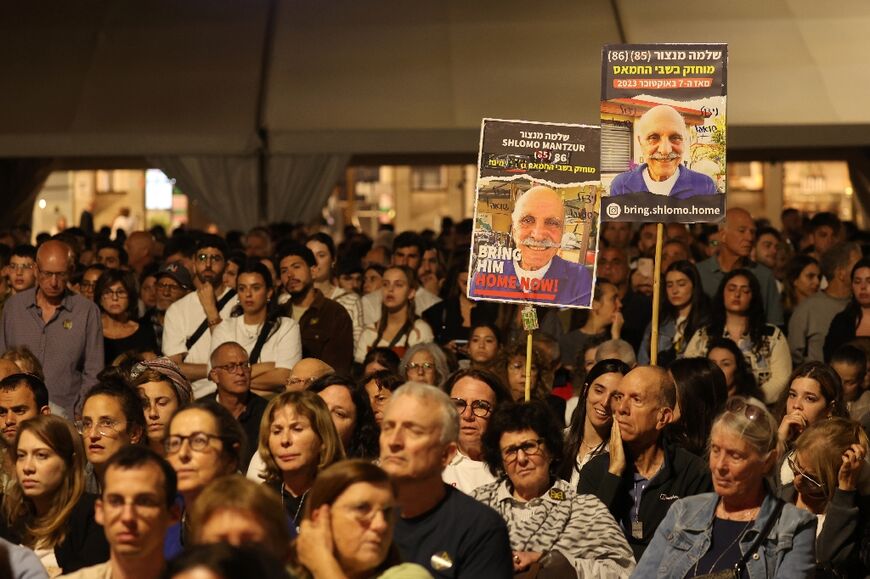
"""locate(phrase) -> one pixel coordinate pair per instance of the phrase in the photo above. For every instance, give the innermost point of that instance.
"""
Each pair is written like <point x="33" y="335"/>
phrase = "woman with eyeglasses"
<point x="550" y="525"/>
<point x="476" y="394"/>
<point x="424" y="363"/>
<point x="351" y="414"/>
<point x="399" y="328"/>
<point x="164" y="389"/>
<point x="742" y="527"/>
<point x="832" y="481"/>
<point x="588" y="432"/>
<point x="204" y="443"/>
<point x="348" y="527"/>
<point x="118" y="298"/>
<point x="112" y="417"/>
<point x="814" y="394"/>
<point x="46" y="508"/>
<point x="738" y="313"/>
<point x="298" y="439"/>
<point x="272" y="341"/>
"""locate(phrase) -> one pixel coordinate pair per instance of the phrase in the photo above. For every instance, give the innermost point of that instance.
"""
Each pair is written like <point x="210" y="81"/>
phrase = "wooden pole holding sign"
<point x="657" y="275"/>
<point x="530" y="324"/>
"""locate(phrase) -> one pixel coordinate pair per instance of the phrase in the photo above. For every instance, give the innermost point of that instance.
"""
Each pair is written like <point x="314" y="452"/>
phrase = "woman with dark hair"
<point x="476" y="394"/>
<point x="550" y="525"/>
<point x="272" y="341"/>
<point x="164" y="389"/>
<point x="348" y="526"/>
<point x="46" y="508"/>
<point x="739" y="378"/>
<point x="399" y="327"/>
<point x="235" y="261"/>
<point x="738" y="313"/>
<point x="701" y="396"/>
<point x="814" y="394"/>
<point x="827" y="465"/>
<point x="118" y="298"/>
<point x="455" y="315"/>
<point x="484" y="345"/>
<point x="854" y="321"/>
<point x="381" y="359"/>
<point x="223" y="561"/>
<point x="379" y="386"/>
<point x="203" y="443"/>
<point x="685" y="308"/>
<point x="511" y="368"/>
<point x="803" y="278"/>
<point x="850" y="364"/>
<point x="589" y="428"/>
<point x="373" y="278"/>
<point x="352" y="415"/>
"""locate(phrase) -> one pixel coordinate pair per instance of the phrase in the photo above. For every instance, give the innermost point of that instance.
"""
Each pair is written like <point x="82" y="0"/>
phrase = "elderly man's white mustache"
<point x="662" y="157"/>
<point x="545" y="244"/>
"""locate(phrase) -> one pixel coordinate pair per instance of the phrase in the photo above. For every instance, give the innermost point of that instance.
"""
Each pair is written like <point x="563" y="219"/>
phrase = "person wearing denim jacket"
<point x="684" y="536"/>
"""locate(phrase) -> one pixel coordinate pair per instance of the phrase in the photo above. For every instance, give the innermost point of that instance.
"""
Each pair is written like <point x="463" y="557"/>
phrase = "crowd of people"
<point x="273" y="403"/>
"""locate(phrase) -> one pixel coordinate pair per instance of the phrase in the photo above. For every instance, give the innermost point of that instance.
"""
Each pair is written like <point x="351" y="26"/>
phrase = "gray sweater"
<point x="809" y="325"/>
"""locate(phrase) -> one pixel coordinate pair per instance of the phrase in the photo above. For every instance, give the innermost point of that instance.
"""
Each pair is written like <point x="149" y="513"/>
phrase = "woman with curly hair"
<point x="512" y="370"/>
<point x="352" y="415"/>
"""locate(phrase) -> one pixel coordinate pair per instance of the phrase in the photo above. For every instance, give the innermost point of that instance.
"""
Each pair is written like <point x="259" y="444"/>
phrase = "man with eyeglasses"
<point x="61" y="329"/>
<point x="22" y="268"/>
<point x="476" y="394"/>
<point x="305" y="372"/>
<point x="173" y="282"/>
<point x="440" y="527"/>
<point x="231" y="371"/>
<point x="189" y="321"/>
<point x="643" y="474"/>
<point x="136" y="509"/>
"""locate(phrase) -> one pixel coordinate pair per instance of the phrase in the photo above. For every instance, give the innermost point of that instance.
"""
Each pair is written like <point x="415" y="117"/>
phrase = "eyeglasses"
<point x="20" y="266"/>
<point x="173" y="287"/>
<point x="104" y="426"/>
<point x="60" y="275"/>
<point x="737" y="405"/>
<point x="420" y="367"/>
<point x="234" y="367"/>
<point x="205" y="257"/>
<point x="529" y="448"/>
<point x="117" y="294"/>
<point x="365" y="513"/>
<point x="139" y="503"/>
<point x="797" y="470"/>
<point x="480" y="408"/>
<point x="88" y="285"/>
<point x="197" y="441"/>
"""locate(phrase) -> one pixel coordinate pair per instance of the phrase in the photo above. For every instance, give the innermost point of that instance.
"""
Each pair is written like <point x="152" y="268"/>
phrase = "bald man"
<point x="139" y="246"/>
<point x="643" y="473"/>
<point x="534" y="272"/>
<point x="62" y="329"/>
<point x="663" y="139"/>
<point x="306" y="371"/>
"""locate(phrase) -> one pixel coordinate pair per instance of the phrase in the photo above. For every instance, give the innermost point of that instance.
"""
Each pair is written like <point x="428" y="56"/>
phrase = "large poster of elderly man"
<point x="536" y="220"/>
<point x="663" y="129"/>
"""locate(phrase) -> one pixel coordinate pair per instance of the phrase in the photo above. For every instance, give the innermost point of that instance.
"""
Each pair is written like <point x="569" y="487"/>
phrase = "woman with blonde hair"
<point x="47" y="509"/>
<point x="831" y="482"/>
<point x="298" y="439"/>
<point x="240" y="512"/>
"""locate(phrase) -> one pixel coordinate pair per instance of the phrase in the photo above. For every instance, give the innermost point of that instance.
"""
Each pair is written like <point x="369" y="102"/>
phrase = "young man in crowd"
<point x="189" y="322"/>
<point x="22" y="396"/>
<point x="22" y="268"/>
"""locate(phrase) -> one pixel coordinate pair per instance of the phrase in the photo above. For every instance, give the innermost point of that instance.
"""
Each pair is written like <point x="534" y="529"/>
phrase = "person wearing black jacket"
<point x="643" y="474"/>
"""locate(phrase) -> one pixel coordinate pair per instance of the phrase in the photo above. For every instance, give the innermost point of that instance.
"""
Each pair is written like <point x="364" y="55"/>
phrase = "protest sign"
<point x="663" y="132"/>
<point x="536" y="213"/>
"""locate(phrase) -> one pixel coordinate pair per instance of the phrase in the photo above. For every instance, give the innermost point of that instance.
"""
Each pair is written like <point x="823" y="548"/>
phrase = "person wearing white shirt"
<point x="254" y="323"/>
<point x="476" y="394"/>
<point x="184" y="317"/>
